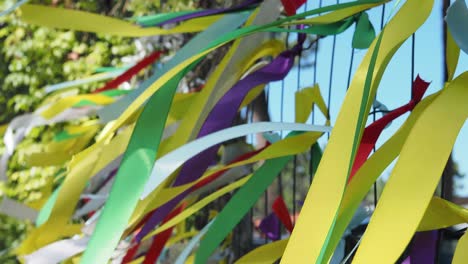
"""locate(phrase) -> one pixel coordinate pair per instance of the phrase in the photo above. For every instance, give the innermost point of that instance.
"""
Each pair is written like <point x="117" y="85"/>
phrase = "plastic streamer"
<point x="461" y="255"/>
<point x="204" y="13"/>
<point x="405" y="169"/>
<point x="457" y="15"/>
<point x="331" y="174"/>
<point x="275" y="70"/>
<point x="153" y="157"/>
<point x="13" y="7"/>
<point x="182" y="258"/>
<point x="84" y="21"/>
<point x="190" y="49"/>
<point x="370" y="171"/>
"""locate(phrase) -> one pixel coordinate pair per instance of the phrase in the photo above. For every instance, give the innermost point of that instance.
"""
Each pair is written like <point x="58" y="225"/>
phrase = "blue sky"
<point x="394" y="89"/>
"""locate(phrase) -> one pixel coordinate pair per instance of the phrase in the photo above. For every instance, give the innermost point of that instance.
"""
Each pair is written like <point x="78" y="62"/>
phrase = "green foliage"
<point x="32" y="57"/>
<point x="11" y="232"/>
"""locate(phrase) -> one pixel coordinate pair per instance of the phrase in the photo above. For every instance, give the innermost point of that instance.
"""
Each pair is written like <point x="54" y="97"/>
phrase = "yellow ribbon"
<point x="56" y="153"/>
<point x="325" y="194"/>
<point x="441" y="214"/>
<point x="89" y="22"/>
<point x="392" y="225"/>
<point x="198" y="206"/>
<point x="68" y="102"/>
<point x="362" y="181"/>
<point x="265" y="254"/>
<point x="461" y="252"/>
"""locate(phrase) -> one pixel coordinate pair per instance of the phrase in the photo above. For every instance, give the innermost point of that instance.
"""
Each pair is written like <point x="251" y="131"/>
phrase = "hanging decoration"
<point x="149" y="160"/>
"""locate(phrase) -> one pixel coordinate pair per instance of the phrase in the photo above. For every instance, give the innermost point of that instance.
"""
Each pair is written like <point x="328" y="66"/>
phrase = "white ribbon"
<point x="193" y="242"/>
<point x="17" y="210"/>
<point x="169" y="163"/>
<point x="457" y="21"/>
<point x="57" y="251"/>
<point x="20" y="126"/>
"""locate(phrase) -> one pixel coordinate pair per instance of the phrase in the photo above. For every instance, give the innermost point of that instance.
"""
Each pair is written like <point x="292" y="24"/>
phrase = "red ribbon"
<point x="373" y="131"/>
<point x="133" y="250"/>
<point x="130" y="72"/>
<point x="290" y="6"/>
<point x="281" y="211"/>
<point x="161" y="239"/>
<point x="130" y="253"/>
<point x="214" y="176"/>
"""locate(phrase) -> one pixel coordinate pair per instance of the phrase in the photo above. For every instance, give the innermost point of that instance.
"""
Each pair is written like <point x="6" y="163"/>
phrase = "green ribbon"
<point x="363" y="110"/>
<point x="45" y="211"/>
<point x="364" y="33"/>
<point x="132" y="174"/>
<point x="159" y="18"/>
<point x="322" y="30"/>
<point x="240" y="204"/>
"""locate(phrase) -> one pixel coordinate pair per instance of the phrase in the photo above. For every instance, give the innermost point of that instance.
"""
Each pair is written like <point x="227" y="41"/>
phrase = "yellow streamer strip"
<point x="335" y="16"/>
<point x="56" y="153"/>
<point x="392" y="225"/>
<point x="197" y="206"/>
<point x="324" y="197"/>
<point x="89" y="22"/>
<point x="83" y="165"/>
<point x="180" y="237"/>
<point x="3" y="128"/>
<point x="68" y="102"/>
<point x="370" y="171"/>
<point x="461" y="252"/>
<point x="441" y="214"/>
<point x="305" y="101"/>
<point x="265" y="254"/>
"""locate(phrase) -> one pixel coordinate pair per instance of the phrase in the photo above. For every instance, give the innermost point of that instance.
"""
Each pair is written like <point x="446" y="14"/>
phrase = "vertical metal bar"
<point x="251" y="214"/>
<point x="330" y="81"/>
<point x="265" y="196"/>
<point x="311" y="171"/>
<point x="294" y="176"/>
<point x="280" y="176"/>
<point x="374" y="109"/>
<point x="443" y="194"/>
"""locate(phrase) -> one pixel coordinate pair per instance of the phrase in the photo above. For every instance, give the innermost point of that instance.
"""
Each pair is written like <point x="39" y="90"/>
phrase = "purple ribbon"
<point x="270" y="226"/>
<point x="209" y="12"/>
<point x="221" y="117"/>
<point x="424" y="248"/>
